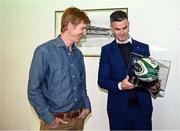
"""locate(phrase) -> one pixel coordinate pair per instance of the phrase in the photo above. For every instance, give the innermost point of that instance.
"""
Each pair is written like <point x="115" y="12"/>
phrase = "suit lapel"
<point x="135" y="47"/>
<point x="139" y="48"/>
<point x="117" y="56"/>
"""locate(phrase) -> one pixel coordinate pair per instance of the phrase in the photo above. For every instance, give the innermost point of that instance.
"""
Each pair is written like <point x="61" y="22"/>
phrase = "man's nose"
<point x="85" y="32"/>
<point x="121" y="31"/>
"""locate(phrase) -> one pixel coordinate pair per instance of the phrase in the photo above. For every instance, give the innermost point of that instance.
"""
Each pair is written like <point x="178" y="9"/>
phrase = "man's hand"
<point x="84" y="113"/>
<point x="126" y="85"/>
<point x="55" y="123"/>
<point x="156" y="87"/>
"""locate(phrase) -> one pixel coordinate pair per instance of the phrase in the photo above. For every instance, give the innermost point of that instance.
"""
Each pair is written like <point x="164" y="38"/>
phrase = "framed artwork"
<point x="98" y="33"/>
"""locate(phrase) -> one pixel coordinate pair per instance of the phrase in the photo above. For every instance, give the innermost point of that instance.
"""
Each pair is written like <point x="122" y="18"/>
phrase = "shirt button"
<point x="69" y="53"/>
<point x="73" y="76"/>
<point x="71" y="64"/>
<point x="75" y="99"/>
<point x="74" y="88"/>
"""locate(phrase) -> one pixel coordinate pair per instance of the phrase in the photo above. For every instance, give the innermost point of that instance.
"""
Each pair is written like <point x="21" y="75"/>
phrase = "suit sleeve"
<point x="104" y="74"/>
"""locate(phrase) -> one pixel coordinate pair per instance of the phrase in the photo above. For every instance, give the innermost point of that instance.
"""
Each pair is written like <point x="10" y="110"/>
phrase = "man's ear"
<point x="111" y="26"/>
<point x="70" y="26"/>
<point x="128" y="25"/>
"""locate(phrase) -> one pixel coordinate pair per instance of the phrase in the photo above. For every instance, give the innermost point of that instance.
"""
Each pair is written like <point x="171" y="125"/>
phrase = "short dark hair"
<point x="74" y="16"/>
<point x="118" y="16"/>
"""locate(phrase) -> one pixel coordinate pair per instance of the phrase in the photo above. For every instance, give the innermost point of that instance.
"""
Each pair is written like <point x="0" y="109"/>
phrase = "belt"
<point x="71" y="114"/>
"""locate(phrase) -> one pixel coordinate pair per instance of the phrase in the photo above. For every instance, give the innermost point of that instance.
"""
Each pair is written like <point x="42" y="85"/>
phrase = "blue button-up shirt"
<point x="57" y="80"/>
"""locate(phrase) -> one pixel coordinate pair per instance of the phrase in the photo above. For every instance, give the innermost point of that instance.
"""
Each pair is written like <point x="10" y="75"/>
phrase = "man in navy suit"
<point x="128" y="107"/>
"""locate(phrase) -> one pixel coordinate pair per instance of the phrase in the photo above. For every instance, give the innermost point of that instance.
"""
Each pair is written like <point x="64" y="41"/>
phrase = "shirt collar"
<point x="60" y="43"/>
<point x="126" y="41"/>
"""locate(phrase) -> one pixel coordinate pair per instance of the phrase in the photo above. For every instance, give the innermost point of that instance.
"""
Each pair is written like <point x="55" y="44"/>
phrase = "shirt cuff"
<point x="119" y="86"/>
<point x="48" y="118"/>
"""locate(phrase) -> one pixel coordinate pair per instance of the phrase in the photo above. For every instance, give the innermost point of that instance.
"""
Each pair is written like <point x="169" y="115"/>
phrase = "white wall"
<point x="28" y="23"/>
<point x="0" y="48"/>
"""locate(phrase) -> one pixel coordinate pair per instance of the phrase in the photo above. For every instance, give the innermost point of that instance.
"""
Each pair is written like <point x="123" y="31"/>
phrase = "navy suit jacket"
<point x="112" y="70"/>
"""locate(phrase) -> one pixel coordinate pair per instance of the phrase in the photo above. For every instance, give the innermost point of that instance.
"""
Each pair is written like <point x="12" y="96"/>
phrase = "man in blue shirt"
<point x="57" y="84"/>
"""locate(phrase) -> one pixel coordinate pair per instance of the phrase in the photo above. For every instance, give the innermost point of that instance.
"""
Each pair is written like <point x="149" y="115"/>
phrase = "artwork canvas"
<point x="98" y="33"/>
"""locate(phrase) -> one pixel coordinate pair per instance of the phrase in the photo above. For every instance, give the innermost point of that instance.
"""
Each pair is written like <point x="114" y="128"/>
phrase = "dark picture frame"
<point x="98" y="33"/>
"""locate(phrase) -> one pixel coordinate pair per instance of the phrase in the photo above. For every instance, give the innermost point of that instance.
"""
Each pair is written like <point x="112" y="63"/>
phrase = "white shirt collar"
<point x="126" y="41"/>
